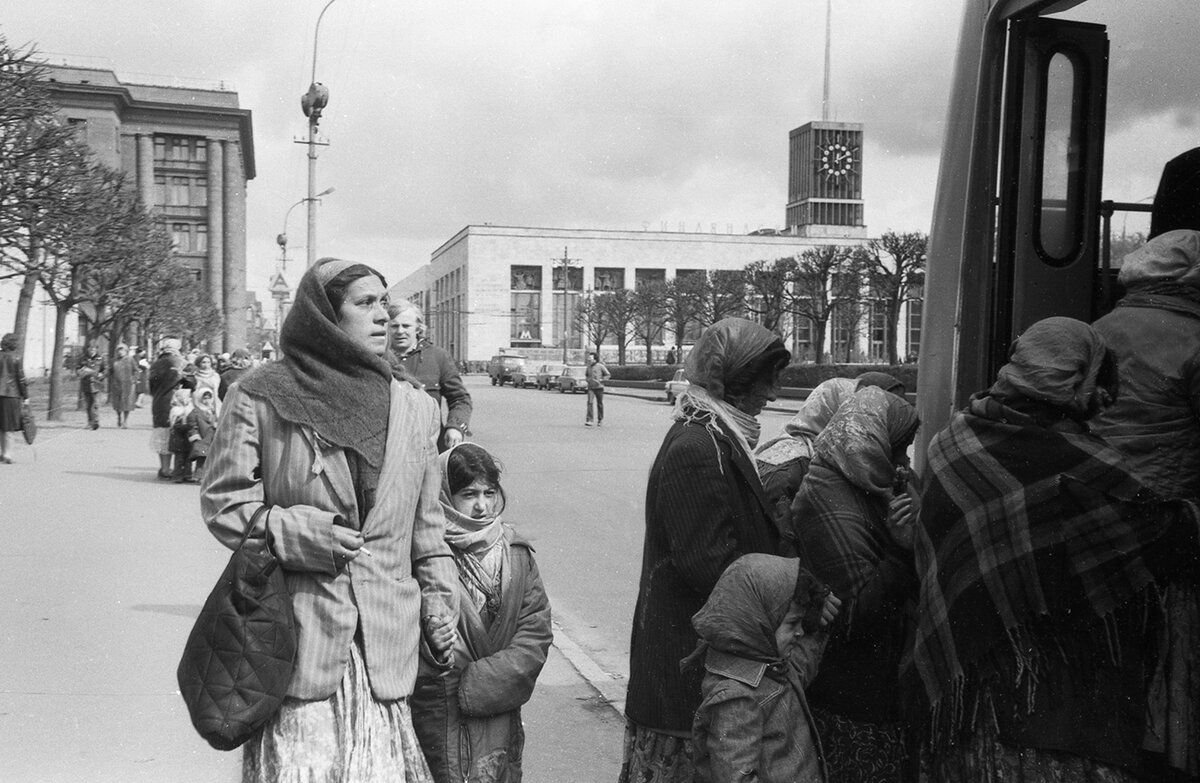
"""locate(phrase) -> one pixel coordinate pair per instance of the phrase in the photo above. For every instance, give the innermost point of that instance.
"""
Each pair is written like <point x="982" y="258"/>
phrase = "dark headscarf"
<point x="889" y="383"/>
<point x="731" y="352"/>
<point x="1058" y="362"/>
<point x="325" y="380"/>
<point x="1177" y="201"/>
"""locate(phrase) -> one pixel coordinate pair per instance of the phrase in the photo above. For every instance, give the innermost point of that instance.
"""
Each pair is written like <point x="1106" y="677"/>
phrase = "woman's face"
<point x="764" y="390"/>
<point x="204" y="363"/>
<point x="476" y="500"/>
<point x="363" y="315"/>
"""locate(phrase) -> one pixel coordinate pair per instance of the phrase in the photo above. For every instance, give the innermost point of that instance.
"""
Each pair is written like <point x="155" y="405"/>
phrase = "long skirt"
<point x="859" y="752"/>
<point x="985" y="760"/>
<point x="10" y="414"/>
<point x="351" y="737"/>
<point x="655" y="757"/>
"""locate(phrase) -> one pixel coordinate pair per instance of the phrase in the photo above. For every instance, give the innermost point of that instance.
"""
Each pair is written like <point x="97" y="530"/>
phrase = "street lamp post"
<point x="566" y="285"/>
<point x="282" y="238"/>
<point x="312" y="103"/>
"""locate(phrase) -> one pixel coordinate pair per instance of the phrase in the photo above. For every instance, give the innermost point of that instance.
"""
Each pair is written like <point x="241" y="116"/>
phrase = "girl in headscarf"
<point x="207" y="377"/>
<point x="201" y="426"/>
<point x="469" y="718"/>
<point x="345" y="459"/>
<point x="1154" y="333"/>
<point x="1040" y="565"/>
<point x="846" y="535"/>
<point x="705" y="507"/>
<point x="759" y="649"/>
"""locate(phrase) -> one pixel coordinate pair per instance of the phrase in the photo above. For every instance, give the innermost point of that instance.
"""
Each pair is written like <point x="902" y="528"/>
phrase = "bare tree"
<point x="814" y="297"/>
<point x="650" y="306"/>
<point x="590" y="321"/>
<point x="769" y="289"/>
<point x="618" y="309"/>
<point x="685" y="298"/>
<point x="895" y="265"/>
<point x="726" y="295"/>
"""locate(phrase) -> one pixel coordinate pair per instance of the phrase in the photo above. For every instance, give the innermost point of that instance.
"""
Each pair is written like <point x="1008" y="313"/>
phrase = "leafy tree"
<point x="894" y="265"/>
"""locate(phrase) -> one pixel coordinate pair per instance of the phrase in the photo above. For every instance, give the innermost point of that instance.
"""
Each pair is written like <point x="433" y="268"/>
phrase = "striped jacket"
<point x="408" y="575"/>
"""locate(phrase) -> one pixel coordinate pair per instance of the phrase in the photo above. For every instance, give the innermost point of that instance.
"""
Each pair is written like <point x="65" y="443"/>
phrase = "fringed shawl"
<point x="1007" y="497"/>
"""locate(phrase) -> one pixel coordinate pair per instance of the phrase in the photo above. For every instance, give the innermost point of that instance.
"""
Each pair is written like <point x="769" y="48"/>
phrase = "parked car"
<point x="572" y="379"/>
<point x="547" y="376"/>
<point x="676" y="386"/>
<point x="501" y="367"/>
<point x="521" y="378"/>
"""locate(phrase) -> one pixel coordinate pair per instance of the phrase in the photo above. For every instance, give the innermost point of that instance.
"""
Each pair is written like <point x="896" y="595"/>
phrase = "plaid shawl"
<point x="1007" y="497"/>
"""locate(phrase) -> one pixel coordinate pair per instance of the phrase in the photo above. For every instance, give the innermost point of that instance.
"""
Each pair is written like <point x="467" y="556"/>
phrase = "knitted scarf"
<point x="325" y="380"/>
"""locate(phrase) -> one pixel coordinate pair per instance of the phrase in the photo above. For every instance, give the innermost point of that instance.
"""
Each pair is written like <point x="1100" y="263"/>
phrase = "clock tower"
<point x="825" y="180"/>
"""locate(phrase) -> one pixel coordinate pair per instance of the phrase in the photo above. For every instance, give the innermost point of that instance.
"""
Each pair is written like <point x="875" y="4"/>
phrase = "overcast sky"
<point x="558" y="113"/>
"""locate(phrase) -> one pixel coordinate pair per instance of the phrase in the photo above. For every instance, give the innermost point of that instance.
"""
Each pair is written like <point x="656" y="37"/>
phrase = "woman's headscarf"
<point x="862" y="436"/>
<point x="748" y="604"/>
<point x="198" y="398"/>
<point x="1057" y="361"/>
<point x="800" y="430"/>
<point x="1171" y="257"/>
<point x="729" y="353"/>
<point x="475" y="536"/>
<point x="326" y="380"/>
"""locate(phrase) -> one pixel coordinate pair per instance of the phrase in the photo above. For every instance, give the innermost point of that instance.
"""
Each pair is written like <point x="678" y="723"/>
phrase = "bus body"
<point x="1020" y="225"/>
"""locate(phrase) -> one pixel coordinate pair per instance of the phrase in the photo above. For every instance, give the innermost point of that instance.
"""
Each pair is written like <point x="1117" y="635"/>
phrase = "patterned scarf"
<point x="1008" y="496"/>
<point x="479" y="546"/>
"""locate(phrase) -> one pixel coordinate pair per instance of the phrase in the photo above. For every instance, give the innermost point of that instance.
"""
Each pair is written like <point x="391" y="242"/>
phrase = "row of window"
<point x="189" y="237"/>
<point x="182" y="149"/>
<point x="529" y="278"/>
<point x="181" y="191"/>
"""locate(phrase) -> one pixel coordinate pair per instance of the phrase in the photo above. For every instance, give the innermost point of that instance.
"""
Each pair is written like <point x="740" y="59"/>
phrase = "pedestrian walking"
<point x="142" y="381"/>
<point x="164" y="377"/>
<point x="344" y="457"/>
<point x="1042" y="564"/>
<point x="851" y="520"/>
<point x="91" y="379"/>
<point x="13" y="393"/>
<point x="121" y="381"/>
<point x="761" y="634"/>
<point x="597" y="374"/>
<point x="704" y="508"/>
<point x="433" y="367"/>
<point x="468" y="719"/>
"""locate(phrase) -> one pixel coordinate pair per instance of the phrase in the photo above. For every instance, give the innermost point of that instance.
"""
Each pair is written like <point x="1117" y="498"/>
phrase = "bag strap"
<point x="258" y="512"/>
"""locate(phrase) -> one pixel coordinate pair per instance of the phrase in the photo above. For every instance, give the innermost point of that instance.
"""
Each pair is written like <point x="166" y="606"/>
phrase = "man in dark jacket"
<point x="166" y="374"/>
<point x="433" y="367"/>
<point x="239" y="365"/>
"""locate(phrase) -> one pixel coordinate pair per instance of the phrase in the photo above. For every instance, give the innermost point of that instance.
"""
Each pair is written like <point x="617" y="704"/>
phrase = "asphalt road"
<point x="105" y="568"/>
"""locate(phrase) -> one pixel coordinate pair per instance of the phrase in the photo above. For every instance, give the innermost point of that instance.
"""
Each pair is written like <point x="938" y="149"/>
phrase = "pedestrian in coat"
<point x="433" y="368"/>
<point x="344" y="457"/>
<point x="597" y="374"/>
<point x="13" y="393"/>
<point x="239" y="365"/>
<point x="852" y="521"/>
<point x="469" y="718"/>
<point x="165" y="376"/>
<point x="705" y="507"/>
<point x="91" y="381"/>
<point x="761" y="639"/>
<point x="201" y="426"/>
<point x="121" y="380"/>
<point x="1154" y="333"/>
<point x="207" y="377"/>
<point x="180" y="445"/>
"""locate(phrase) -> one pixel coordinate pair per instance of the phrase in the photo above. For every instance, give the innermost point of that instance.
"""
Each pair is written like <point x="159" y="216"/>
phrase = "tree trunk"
<point x="819" y="341"/>
<point x="891" y="331"/>
<point x="24" y="307"/>
<point x="54" y="406"/>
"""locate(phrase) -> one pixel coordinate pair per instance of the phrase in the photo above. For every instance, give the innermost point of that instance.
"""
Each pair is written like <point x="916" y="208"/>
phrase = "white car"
<point x="676" y="386"/>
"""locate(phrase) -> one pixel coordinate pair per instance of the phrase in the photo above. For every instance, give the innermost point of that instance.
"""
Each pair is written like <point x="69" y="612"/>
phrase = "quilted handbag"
<point x="241" y="653"/>
<point x="28" y="423"/>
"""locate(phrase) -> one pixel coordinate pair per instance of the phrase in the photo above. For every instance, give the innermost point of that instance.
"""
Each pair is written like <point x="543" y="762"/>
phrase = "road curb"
<point x="610" y="687"/>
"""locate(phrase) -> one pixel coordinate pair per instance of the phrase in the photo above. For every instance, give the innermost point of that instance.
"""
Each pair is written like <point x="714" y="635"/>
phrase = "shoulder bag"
<point x="28" y="423"/>
<point x="241" y="653"/>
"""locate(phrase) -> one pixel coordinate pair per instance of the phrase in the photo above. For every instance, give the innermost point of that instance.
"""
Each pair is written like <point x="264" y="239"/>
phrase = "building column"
<point x="145" y="170"/>
<point x="214" y="274"/>
<point x="235" y="248"/>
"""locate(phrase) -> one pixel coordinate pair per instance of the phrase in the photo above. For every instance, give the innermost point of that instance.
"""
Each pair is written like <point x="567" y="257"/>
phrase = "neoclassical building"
<point x="190" y="150"/>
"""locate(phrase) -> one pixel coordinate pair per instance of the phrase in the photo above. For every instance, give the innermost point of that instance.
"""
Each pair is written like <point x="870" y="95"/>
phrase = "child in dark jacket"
<point x="201" y="426"/>
<point x="760" y="647"/>
<point x="178" y="443"/>
<point x="468" y="717"/>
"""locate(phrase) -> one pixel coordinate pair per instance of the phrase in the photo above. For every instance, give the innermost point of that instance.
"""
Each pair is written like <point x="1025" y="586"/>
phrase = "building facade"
<point x="493" y="288"/>
<point x="190" y="152"/>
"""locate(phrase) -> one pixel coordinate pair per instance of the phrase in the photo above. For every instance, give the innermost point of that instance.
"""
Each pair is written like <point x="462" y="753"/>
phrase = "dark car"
<point x="573" y="378"/>
<point x="547" y="376"/>
<point x="502" y="366"/>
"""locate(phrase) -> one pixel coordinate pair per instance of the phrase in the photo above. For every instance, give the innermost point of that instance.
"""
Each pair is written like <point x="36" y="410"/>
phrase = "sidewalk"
<point x="104" y="573"/>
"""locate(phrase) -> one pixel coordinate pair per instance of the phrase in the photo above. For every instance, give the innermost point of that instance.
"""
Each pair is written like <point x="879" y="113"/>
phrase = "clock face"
<point x="835" y="160"/>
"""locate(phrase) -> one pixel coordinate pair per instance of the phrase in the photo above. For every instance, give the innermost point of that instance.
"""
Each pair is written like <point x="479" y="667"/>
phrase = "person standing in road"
<point x="91" y="375"/>
<point x="344" y="457"/>
<point x="13" y="393"/>
<point x="705" y="508"/>
<point x="120" y="385"/>
<point x="433" y="367"/>
<point x="597" y="374"/>
<point x="166" y="374"/>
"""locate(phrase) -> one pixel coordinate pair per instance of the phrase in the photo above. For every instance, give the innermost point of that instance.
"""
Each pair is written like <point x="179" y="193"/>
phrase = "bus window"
<point x="1059" y="230"/>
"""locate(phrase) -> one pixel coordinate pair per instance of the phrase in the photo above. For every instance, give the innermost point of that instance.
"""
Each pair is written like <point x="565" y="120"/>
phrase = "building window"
<point x="160" y="147"/>
<point x="178" y="197"/>
<point x="609" y="279"/>
<point x="200" y="192"/>
<point x="179" y="148"/>
<point x="200" y="153"/>
<point x="201" y="241"/>
<point x="916" y="307"/>
<point x="526" y="278"/>
<point x="804" y="340"/>
<point x="526" y="319"/>
<point x="643" y="277"/>
<point x="564" y="319"/>
<point x="160" y="191"/>
<point x="574" y="278"/>
<point x="181" y="237"/>
<point x="879" y="351"/>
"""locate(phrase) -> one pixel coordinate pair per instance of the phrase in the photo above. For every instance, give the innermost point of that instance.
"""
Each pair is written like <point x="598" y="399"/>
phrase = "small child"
<point x="179" y="445"/>
<point x="468" y="718"/>
<point x="201" y="425"/>
<point x="753" y="722"/>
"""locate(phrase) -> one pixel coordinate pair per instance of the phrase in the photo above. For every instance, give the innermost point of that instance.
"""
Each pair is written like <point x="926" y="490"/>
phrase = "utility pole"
<point x="312" y="103"/>
<point x="566" y="262"/>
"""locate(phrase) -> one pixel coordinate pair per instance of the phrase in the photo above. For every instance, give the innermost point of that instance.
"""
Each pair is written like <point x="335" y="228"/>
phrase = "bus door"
<point x="1051" y="165"/>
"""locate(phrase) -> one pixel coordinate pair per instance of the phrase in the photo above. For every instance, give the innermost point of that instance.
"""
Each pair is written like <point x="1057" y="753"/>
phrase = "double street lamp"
<point x="312" y="103"/>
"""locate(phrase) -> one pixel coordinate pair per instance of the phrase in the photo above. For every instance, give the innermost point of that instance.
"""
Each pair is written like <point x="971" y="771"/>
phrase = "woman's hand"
<point x="453" y="436"/>
<point x="440" y="635"/>
<point x="900" y="520"/>
<point x="347" y="544"/>
<point x="829" y="612"/>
